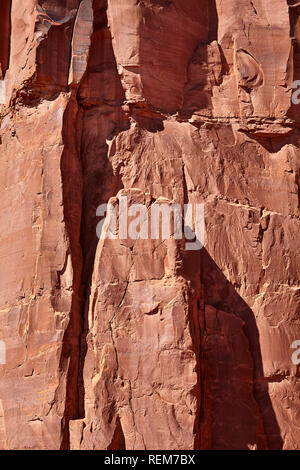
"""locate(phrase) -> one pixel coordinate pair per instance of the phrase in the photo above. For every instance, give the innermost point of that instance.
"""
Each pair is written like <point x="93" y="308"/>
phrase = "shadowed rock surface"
<point x="141" y="344"/>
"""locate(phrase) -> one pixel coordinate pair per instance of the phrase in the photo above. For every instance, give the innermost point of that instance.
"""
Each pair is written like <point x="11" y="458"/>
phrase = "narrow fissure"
<point x="5" y="36"/>
<point x="98" y="184"/>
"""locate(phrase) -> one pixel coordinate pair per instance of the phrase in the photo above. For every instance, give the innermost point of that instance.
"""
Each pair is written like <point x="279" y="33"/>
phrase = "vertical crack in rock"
<point x="99" y="96"/>
<point x="88" y="72"/>
<point x="111" y="326"/>
<point x="196" y="325"/>
<point x="72" y="188"/>
<point x="72" y="176"/>
<point x="118" y="440"/>
<point x="5" y="36"/>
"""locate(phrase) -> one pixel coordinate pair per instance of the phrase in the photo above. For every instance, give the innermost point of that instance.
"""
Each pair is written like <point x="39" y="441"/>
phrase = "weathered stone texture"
<point x="115" y="344"/>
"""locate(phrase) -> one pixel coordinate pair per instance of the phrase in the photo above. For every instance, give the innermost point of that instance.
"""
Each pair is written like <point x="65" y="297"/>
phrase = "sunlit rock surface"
<point x="114" y="344"/>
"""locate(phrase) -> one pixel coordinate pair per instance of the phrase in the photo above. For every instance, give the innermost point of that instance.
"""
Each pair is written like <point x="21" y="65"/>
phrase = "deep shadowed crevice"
<point x="72" y="198"/>
<point x="213" y="21"/>
<point x="118" y="440"/>
<point x="191" y="272"/>
<point x="103" y="119"/>
<point x="5" y="36"/>
<point x="56" y="21"/>
<point x="88" y="180"/>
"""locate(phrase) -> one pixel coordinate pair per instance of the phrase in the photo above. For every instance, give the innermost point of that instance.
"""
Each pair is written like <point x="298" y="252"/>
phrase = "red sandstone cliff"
<point x="112" y="344"/>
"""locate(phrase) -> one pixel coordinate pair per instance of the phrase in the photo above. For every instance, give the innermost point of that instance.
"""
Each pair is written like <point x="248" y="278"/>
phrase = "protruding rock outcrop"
<point x="121" y="344"/>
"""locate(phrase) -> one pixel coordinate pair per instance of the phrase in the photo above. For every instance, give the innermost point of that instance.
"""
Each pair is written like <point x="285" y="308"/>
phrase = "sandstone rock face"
<point x="141" y="343"/>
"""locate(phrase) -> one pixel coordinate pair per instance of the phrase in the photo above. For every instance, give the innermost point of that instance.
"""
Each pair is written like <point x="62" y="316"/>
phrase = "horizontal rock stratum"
<point x="115" y="343"/>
